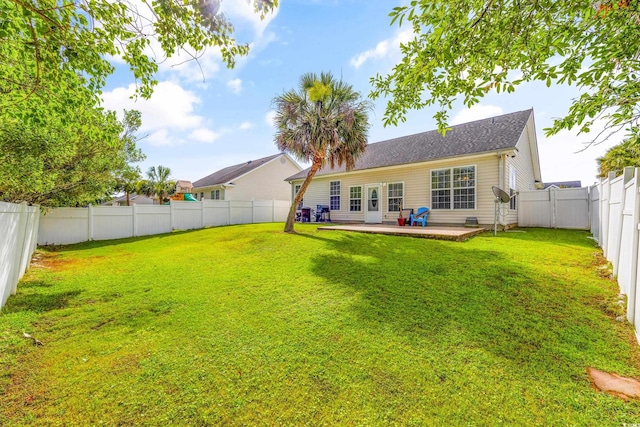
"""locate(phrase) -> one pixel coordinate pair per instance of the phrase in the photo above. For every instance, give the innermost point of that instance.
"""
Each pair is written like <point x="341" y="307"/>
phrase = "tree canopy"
<point x="60" y="49"/>
<point x="619" y="157"/>
<point x="60" y="164"/>
<point x="324" y="121"/>
<point x="464" y="49"/>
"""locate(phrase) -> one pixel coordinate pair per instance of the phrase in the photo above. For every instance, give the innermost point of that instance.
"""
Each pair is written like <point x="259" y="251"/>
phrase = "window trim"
<point x="389" y="184"/>
<point x="360" y="199"/>
<point x="339" y="195"/>
<point x="452" y="188"/>
<point x="295" y="193"/>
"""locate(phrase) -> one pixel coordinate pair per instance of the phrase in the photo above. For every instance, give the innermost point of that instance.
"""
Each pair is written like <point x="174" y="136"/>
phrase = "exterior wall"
<point x="525" y="176"/>
<point x="266" y="182"/>
<point x="417" y="190"/>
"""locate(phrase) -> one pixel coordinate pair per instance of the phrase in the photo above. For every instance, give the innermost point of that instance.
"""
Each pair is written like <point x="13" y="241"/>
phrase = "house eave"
<point x="422" y="163"/>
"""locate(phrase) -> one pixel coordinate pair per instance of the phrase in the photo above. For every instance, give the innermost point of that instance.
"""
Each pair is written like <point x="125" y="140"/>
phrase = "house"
<point x="184" y="186"/>
<point x="261" y="179"/>
<point x="137" y="199"/>
<point x="452" y="175"/>
<point x="563" y="184"/>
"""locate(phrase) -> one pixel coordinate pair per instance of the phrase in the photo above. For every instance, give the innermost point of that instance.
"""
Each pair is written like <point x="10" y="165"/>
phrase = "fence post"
<point x="170" y="213"/>
<point x="202" y="216"/>
<point x="17" y="257"/>
<point x="135" y="220"/>
<point x="552" y="200"/>
<point x="253" y="211"/>
<point x="90" y="222"/>
<point x="627" y="176"/>
<point x="273" y="210"/>
<point x="633" y="283"/>
<point x="229" y="212"/>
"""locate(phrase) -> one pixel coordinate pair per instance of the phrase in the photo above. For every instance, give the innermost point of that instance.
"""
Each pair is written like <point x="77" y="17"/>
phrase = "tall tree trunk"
<point x="315" y="167"/>
<point x="128" y="201"/>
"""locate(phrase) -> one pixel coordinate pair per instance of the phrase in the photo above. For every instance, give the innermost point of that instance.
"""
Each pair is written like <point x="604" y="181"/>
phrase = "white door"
<point x="373" y="206"/>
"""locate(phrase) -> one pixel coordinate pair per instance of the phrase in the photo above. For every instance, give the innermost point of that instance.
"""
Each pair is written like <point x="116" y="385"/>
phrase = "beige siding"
<point x="266" y="182"/>
<point x="523" y="164"/>
<point x="417" y="184"/>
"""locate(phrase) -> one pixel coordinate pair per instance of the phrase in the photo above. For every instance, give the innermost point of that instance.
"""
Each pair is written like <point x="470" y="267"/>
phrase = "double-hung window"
<point x="355" y="199"/>
<point x="395" y="192"/>
<point x="216" y="195"/>
<point x="453" y="188"/>
<point x="334" y="195"/>
<point x="296" y="190"/>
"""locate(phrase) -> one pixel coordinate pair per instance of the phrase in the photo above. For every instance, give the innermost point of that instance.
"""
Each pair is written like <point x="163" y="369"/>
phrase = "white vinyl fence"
<point x="63" y="226"/>
<point x="616" y="227"/>
<point x="554" y="208"/>
<point x="18" y="232"/>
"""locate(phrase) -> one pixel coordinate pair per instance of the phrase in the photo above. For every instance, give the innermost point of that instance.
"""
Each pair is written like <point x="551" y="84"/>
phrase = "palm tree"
<point x="157" y="183"/>
<point x="324" y="121"/>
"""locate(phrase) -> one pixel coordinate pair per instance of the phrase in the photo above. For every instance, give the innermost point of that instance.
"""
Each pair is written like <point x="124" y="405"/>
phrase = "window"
<point x="201" y="196"/>
<point x="453" y="184"/>
<point x="512" y="188"/>
<point x="355" y="199"/>
<point x="395" y="192"/>
<point x="296" y="190"/>
<point x="216" y="195"/>
<point x="334" y="195"/>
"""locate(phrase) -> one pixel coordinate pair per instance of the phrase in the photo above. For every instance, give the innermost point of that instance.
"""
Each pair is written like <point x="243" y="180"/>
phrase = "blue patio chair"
<point x="420" y="217"/>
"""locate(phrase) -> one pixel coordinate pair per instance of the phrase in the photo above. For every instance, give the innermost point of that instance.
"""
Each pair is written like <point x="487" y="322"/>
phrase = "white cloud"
<point x="384" y="49"/>
<point x="563" y="156"/>
<point x="477" y="112"/>
<point x="235" y="86"/>
<point x="246" y="125"/>
<point x="270" y="118"/>
<point x="159" y="138"/>
<point x="243" y="10"/>
<point x="204" y="135"/>
<point x="170" y="106"/>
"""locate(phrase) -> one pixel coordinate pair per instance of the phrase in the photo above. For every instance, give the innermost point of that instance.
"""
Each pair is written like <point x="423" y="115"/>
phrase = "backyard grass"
<point x="246" y="325"/>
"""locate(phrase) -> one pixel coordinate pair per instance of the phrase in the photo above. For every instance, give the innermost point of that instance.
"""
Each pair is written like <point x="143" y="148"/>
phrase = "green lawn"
<point x="246" y="325"/>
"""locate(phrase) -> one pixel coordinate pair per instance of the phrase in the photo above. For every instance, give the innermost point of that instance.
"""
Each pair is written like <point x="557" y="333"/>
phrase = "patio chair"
<point x="420" y="217"/>
<point x="406" y="215"/>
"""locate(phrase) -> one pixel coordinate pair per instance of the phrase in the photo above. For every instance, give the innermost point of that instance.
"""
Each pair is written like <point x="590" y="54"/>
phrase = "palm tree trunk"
<point x="315" y="167"/>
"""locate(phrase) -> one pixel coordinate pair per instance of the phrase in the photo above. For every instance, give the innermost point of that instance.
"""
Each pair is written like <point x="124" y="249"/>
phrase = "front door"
<point x="373" y="207"/>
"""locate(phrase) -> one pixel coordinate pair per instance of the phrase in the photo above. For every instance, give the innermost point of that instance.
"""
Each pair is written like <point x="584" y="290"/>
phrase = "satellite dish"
<point x="501" y="197"/>
<point x="501" y="194"/>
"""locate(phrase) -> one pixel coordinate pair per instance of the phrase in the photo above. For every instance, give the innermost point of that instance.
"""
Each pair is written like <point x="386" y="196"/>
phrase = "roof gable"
<point x="228" y="174"/>
<point x="492" y="134"/>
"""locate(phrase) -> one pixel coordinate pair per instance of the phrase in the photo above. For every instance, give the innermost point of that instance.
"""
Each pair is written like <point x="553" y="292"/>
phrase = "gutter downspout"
<point x="501" y="168"/>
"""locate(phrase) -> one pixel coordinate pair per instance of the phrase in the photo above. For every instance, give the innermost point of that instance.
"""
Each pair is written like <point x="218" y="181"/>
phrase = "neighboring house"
<point x="183" y="186"/>
<point x="137" y="199"/>
<point x="261" y="179"/>
<point x="563" y="184"/>
<point x="452" y="175"/>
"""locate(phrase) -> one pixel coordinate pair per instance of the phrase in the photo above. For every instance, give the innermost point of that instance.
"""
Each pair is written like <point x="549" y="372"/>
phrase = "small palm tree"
<point x="324" y="121"/>
<point x="157" y="183"/>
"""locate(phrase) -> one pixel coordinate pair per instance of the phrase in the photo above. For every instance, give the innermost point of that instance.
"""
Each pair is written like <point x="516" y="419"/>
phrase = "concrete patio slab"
<point x="458" y="234"/>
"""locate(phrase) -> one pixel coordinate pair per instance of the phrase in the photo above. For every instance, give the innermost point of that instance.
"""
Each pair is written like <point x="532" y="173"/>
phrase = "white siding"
<point x="266" y="182"/>
<point x="417" y="190"/>
<point x="523" y="163"/>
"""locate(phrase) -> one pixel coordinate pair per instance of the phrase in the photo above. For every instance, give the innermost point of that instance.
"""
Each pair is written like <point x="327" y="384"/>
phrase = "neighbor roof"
<point x="563" y="184"/>
<point x="228" y="174"/>
<point x="184" y="183"/>
<point x="496" y="133"/>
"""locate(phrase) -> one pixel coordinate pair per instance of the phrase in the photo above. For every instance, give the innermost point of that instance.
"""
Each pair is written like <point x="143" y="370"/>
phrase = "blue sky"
<point x="203" y="117"/>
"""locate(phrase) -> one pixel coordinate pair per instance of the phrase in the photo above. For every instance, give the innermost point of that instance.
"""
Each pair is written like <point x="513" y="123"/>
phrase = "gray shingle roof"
<point x="563" y="184"/>
<point x="228" y="174"/>
<point x="492" y="134"/>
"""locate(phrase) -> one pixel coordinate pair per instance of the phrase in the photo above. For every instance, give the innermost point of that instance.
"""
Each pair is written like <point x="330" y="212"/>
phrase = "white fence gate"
<point x="18" y="231"/>
<point x="63" y="226"/>
<point x="554" y="208"/>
